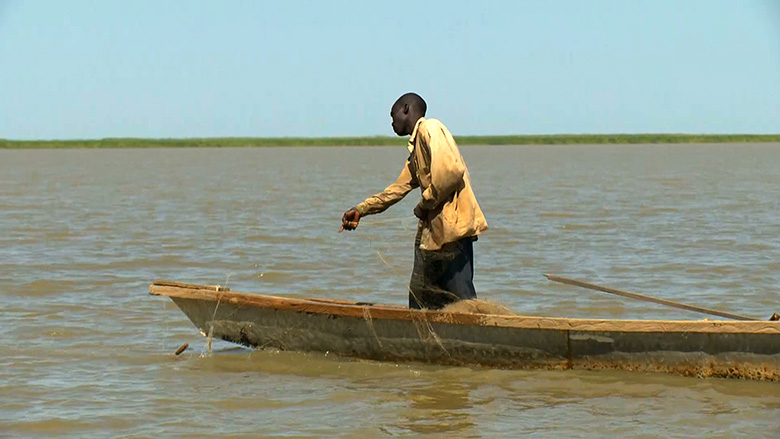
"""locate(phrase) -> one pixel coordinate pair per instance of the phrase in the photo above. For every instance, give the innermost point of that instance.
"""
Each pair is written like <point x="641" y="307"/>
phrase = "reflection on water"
<point x="86" y="353"/>
<point x="440" y="406"/>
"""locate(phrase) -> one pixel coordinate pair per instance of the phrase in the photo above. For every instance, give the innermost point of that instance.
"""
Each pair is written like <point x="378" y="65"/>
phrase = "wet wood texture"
<point x="743" y="349"/>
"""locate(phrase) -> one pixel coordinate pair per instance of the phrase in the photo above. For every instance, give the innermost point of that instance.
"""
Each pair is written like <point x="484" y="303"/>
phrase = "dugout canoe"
<point x="701" y="348"/>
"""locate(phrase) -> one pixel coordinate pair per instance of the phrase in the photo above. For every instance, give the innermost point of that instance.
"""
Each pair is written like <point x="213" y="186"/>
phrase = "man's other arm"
<point x="445" y="166"/>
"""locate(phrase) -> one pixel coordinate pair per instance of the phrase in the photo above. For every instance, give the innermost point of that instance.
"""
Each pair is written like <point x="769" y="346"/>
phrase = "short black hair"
<point x="415" y="102"/>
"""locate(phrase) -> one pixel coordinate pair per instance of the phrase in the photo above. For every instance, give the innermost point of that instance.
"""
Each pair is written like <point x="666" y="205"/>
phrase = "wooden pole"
<point x="638" y="296"/>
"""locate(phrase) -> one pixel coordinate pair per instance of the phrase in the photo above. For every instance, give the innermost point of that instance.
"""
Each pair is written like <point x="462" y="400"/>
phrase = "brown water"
<point x="86" y="353"/>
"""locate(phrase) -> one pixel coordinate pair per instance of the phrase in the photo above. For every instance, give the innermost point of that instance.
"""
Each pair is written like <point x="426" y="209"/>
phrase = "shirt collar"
<point x="413" y="137"/>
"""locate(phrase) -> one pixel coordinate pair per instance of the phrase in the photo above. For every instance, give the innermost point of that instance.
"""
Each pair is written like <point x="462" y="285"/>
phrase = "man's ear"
<point x="406" y="108"/>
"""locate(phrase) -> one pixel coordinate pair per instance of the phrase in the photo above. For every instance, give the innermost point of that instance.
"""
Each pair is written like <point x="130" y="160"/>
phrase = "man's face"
<point x="399" y="120"/>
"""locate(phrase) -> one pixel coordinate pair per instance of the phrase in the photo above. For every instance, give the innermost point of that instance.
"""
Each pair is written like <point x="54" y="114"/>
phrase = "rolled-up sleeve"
<point x="391" y="195"/>
<point x="444" y="167"/>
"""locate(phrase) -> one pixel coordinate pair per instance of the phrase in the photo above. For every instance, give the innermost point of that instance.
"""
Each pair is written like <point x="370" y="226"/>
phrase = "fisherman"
<point x="449" y="217"/>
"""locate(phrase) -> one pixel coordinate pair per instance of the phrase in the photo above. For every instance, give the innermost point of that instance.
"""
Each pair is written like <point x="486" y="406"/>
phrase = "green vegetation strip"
<point x="563" y="139"/>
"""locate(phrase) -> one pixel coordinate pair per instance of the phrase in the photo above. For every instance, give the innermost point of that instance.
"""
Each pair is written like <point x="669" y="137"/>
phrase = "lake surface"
<point x="87" y="353"/>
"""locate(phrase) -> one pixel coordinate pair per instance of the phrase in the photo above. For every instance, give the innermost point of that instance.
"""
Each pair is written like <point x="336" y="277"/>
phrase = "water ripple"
<point x="86" y="353"/>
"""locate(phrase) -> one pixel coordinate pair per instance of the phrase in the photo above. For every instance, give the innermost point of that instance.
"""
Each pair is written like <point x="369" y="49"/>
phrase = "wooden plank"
<point x="384" y="340"/>
<point x="530" y="322"/>
<point x="347" y="302"/>
<point x="168" y="283"/>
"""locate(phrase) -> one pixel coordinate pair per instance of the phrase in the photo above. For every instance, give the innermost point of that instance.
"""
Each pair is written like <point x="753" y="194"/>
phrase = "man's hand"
<point x="350" y="220"/>
<point x="420" y="213"/>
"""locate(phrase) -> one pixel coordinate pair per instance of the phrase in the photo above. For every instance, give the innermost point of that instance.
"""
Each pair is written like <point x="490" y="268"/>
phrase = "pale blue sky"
<point x="92" y="69"/>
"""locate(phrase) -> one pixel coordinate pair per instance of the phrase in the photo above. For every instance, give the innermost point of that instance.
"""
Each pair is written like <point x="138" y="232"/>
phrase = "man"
<point x="450" y="218"/>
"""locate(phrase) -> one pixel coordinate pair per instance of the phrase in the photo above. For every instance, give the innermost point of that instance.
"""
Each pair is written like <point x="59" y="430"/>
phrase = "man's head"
<point x="406" y="111"/>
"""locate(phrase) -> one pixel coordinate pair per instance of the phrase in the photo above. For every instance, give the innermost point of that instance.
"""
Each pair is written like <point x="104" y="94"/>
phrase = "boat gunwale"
<point x="216" y="293"/>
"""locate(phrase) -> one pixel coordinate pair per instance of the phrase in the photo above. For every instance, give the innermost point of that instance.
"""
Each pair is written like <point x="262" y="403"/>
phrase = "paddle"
<point x="637" y="296"/>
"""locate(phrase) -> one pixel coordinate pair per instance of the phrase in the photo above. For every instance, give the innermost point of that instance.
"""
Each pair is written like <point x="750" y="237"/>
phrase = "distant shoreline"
<point x="555" y="139"/>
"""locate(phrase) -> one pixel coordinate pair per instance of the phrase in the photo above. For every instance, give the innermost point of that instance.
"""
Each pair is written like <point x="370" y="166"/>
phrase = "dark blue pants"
<point x="443" y="276"/>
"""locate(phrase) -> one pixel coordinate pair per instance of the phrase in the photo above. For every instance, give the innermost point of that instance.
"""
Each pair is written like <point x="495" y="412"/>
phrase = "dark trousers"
<point x="444" y="276"/>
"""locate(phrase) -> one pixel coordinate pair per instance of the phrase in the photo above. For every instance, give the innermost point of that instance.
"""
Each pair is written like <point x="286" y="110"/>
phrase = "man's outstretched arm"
<point x="381" y="201"/>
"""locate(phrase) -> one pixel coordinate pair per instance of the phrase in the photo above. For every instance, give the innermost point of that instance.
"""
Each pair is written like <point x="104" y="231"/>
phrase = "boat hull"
<point x="387" y="333"/>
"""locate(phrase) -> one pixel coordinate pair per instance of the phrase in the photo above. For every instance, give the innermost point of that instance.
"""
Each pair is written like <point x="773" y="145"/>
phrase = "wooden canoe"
<point x="703" y="348"/>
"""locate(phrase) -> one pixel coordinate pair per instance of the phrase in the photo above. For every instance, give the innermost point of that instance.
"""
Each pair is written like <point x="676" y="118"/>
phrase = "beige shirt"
<point x="436" y="166"/>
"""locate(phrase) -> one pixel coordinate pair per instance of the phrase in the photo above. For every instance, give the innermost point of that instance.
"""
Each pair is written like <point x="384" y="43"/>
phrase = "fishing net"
<point x="477" y="306"/>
